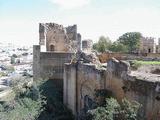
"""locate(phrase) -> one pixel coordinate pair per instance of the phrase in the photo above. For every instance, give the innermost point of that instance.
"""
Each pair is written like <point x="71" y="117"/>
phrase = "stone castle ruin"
<point x="148" y="45"/>
<point x="57" y="44"/>
<point x="85" y="84"/>
<point x="87" y="45"/>
<point x="82" y="76"/>
<point x="54" y="37"/>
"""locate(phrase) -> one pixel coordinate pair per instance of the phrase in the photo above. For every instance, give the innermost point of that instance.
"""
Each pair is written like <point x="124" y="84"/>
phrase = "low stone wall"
<point x="104" y="57"/>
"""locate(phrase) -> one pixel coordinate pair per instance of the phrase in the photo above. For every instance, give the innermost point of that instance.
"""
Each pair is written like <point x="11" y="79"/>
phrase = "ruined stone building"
<point x="54" y="37"/>
<point x="84" y="79"/>
<point x="86" y="84"/>
<point x="57" y="45"/>
<point x="87" y="45"/>
<point x="147" y="45"/>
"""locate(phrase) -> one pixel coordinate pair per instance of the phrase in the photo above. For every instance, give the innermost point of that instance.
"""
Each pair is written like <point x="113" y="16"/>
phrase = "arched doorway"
<point x="149" y="50"/>
<point x="51" y="47"/>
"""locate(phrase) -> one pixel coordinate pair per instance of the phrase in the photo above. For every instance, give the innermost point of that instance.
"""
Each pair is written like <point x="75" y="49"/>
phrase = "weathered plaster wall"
<point x="58" y="39"/>
<point x="55" y="37"/>
<point x="87" y="79"/>
<point x="52" y="64"/>
<point x="69" y="87"/>
<point x="36" y="61"/>
<point x="49" y="65"/>
<point x="83" y="79"/>
<point x="146" y="92"/>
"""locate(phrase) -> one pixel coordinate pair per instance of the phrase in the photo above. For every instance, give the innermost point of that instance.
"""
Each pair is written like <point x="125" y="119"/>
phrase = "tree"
<point x="103" y="44"/>
<point x="107" y="112"/>
<point x="118" y="47"/>
<point x="114" y="111"/>
<point x="131" y="40"/>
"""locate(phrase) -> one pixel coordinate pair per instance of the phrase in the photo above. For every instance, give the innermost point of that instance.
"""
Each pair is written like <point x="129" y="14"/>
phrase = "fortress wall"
<point x="36" y="62"/>
<point x="69" y="87"/>
<point x="80" y="84"/>
<point x="82" y="80"/>
<point x="52" y="64"/>
<point x="124" y="85"/>
<point x="49" y="65"/>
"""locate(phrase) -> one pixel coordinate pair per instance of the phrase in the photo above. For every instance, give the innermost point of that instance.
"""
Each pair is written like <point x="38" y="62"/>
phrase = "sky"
<point x="19" y="19"/>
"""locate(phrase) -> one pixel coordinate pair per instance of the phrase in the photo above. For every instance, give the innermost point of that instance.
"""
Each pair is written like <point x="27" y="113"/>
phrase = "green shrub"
<point x="41" y="101"/>
<point x="114" y="111"/>
<point x="21" y="109"/>
<point x="3" y="74"/>
<point x="135" y="64"/>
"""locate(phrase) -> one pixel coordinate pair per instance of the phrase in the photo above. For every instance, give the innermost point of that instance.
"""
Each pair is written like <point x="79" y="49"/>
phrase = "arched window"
<point x="51" y="47"/>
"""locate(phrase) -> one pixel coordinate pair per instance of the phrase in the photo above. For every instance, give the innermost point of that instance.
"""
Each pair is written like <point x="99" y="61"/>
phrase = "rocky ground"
<point x="147" y="72"/>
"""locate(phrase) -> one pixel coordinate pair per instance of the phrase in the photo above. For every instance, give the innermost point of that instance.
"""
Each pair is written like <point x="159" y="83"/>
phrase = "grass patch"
<point x="136" y="64"/>
<point x="147" y="62"/>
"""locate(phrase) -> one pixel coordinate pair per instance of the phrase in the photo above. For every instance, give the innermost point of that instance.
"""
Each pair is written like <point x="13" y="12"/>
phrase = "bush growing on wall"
<point x="115" y="111"/>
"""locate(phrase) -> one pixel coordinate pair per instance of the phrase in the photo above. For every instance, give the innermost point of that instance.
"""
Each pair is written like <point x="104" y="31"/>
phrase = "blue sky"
<point x="19" y="18"/>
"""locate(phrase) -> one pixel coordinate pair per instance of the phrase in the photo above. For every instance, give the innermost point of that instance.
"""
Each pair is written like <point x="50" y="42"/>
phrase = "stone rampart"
<point x="82" y="80"/>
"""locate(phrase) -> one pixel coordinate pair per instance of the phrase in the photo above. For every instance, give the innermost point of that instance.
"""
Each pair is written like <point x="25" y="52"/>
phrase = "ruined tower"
<point x="58" y="38"/>
<point x="57" y="44"/>
<point x="147" y="45"/>
<point x="87" y="45"/>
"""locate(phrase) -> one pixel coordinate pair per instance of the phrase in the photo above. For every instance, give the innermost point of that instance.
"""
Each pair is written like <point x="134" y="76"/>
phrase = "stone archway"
<point x="52" y="48"/>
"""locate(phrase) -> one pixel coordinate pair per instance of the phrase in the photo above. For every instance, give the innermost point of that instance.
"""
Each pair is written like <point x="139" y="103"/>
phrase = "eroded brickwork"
<point x="55" y="37"/>
<point x="84" y="79"/>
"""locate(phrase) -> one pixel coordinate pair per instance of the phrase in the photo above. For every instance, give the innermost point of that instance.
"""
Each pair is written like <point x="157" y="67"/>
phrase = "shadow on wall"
<point x="54" y="108"/>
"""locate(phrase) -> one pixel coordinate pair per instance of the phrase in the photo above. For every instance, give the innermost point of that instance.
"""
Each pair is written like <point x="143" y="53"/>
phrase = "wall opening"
<point x="52" y="48"/>
<point x="149" y="50"/>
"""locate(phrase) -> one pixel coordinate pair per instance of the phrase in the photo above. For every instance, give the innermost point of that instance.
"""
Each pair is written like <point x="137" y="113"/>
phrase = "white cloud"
<point x="70" y="4"/>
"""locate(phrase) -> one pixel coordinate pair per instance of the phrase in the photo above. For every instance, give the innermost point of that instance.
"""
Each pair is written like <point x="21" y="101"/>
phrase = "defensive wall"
<point x="83" y="80"/>
<point x="104" y="57"/>
<point x="49" y="65"/>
